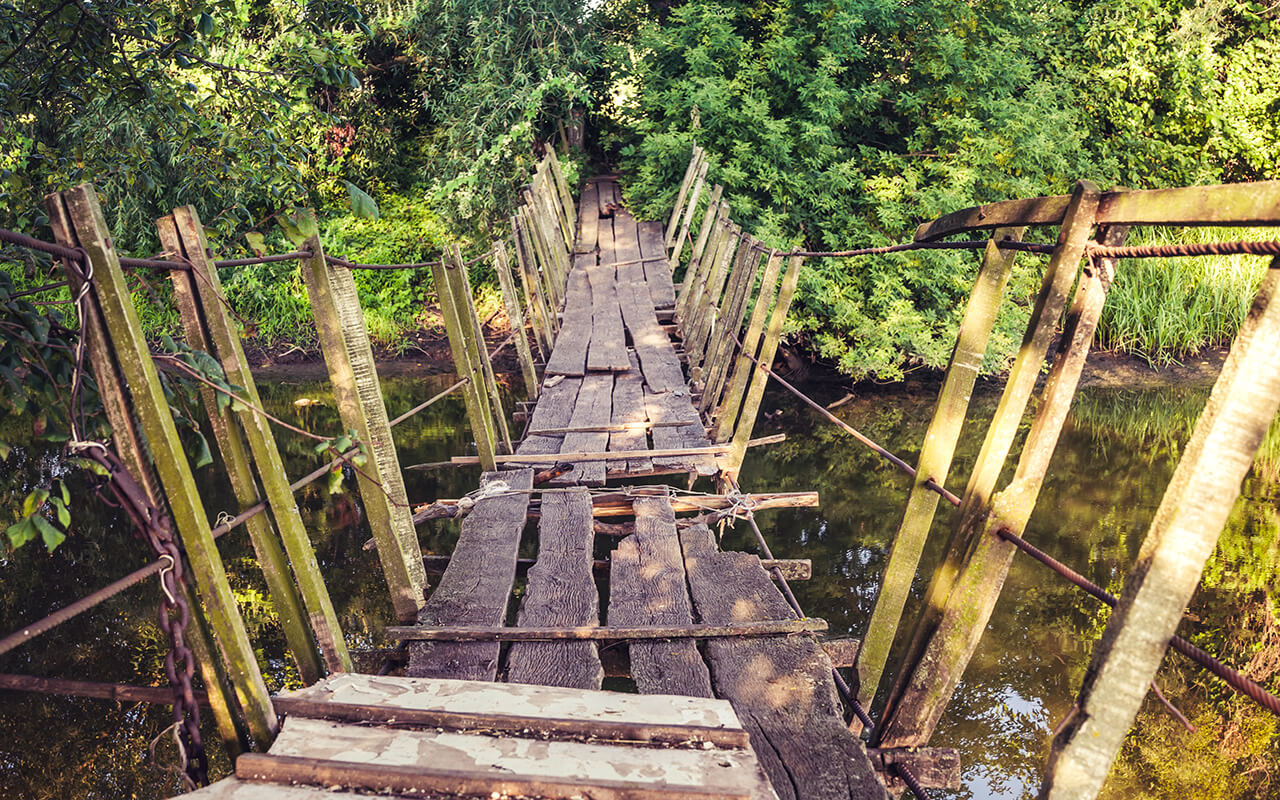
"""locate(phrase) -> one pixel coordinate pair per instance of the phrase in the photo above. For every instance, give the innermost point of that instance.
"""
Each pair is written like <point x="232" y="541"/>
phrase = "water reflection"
<point x="1117" y="453"/>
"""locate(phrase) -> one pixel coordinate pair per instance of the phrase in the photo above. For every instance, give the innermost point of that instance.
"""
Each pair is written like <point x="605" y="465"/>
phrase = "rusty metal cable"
<point x="906" y="247"/>
<point x="152" y="263"/>
<point x="32" y="243"/>
<point x="297" y="255"/>
<point x="1259" y="248"/>
<point x="1230" y="676"/>
<point x="342" y="262"/>
<point x="48" y="287"/>
<point x="909" y="778"/>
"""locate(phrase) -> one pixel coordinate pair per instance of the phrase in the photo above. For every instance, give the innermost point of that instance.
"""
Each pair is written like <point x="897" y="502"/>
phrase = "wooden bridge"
<point x="505" y="659"/>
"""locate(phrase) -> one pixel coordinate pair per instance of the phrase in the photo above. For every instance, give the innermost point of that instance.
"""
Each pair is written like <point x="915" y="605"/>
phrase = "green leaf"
<point x="335" y="480"/>
<point x="51" y="535"/>
<point x="362" y="205"/>
<point x="63" y="514"/>
<point x="34" y="501"/>
<point x="306" y="223"/>
<point x="257" y="242"/>
<point x="21" y="532"/>
<point x="203" y="457"/>
<point x="91" y="466"/>
<point x="291" y="231"/>
<point x="323" y="446"/>
<point x="205" y="24"/>
<point x="4" y="451"/>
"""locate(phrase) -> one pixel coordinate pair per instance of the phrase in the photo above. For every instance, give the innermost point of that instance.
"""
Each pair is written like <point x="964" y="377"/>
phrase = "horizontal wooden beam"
<point x="101" y="691"/>
<point x="403" y="779"/>
<point x="933" y="767"/>
<point x="1255" y="203"/>
<point x="614" y="632"/>
<point x="792" y="569"/>
<point x="619" y="427"/>
<point x="618" y="504"/>
<point x="580" y="457"/>
<point x="518" y="724"/>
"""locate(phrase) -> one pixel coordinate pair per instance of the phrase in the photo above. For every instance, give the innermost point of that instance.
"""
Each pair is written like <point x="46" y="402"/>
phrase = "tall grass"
<point x="1166" y="309"/>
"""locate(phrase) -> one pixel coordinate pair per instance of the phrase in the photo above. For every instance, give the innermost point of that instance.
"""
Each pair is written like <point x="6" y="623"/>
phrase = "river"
<point x="1107" y="478"/>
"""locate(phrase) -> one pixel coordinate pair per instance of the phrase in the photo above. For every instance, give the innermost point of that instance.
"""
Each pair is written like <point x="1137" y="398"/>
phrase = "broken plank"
<point x="796" y="725"/>
<point x="630" y="418"/>
<point x="608" y="348"/>
<point x="569" y="355"/>
<point x="593" y="407"/>
<point x="677" y="406"/>
<point x="588" y="218"/>
<point x="560" y="591"/>
<point x="658" y="360"/>
<point x="554" y="410"/>
<point x="657" y="270"/>
<point x="475" y="588"/>
<point x="647" y="586"/>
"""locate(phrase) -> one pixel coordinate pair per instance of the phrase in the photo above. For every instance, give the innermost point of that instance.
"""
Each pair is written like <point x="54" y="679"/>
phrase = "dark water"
<point x="1106" y="481"/>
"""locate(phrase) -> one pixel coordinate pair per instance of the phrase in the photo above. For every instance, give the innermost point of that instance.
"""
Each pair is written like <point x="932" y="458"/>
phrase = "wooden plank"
<point x="689" y="300"/>
<point x="463" y="705"/>
<point x="695" y="160"/>
<point x="647" y="586"/>
<point x="1186" y="528"/>
<point x="677" y="407"/>
<point x="643" y="425"/>
<point x="792" y="569"/>
<point x="1007" y="214"/>
<point x="458" y="330"/>
<point x="934" y="463"/>
<point x="781" y="689"/>
<point x="236" y="789"/>
<point x="479" y="351"/>
<point x="696" y="255"/>
<point x="608" y="349"/>
<point x="616" y="504"/>
<point x="716" y="303"/>
<point x="933" y="767"/>
<point x="532" y="283"/>
<point x="630" y="420"/>
<point x="554" y="410"/>
<point x="594" y="406"/>
<point x="472" y="765"/>
<point x="588" y="633"/>
<point x="560" y="591"/>
<point x="589" y="457"/>
<point x="658" y="360"/>
<point x="588" y="218"/>
<point x="699" y="184"/>
<point x="657" y="269"/>
<point x="569" y="356"/>
<point x="475" y="588"/>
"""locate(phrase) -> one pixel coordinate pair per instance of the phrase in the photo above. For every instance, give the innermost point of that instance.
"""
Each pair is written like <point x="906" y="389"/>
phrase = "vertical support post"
<point x="769" y="349"/>
<point x="474" y="392"/>
<point x="539" y="314"/>
<point x="539" y="267"/>
<point x="720" y="345"/>
<point x="935" y="462"/>
<point x="553" y="272"/>
<point x="545" y="195"/>
<point x="698" y="183"/>
<point x="704" y="258"/>
<point x="727" y="414"/>
<point x="948" y="633"/>
<point x="463" y="300"/>
<point x="704" y="230"/>
<point x="349" y="358"/>
<point x="710" y="316"/>
<point x="87" y="229"/>
<point x="204" y="310"/>
<point x="562" y="187"/>
<point x="695" y="159"/>
<point x="512" y="302"/>
<point x="270" y="555"/>
<point x="1182" y="536"/>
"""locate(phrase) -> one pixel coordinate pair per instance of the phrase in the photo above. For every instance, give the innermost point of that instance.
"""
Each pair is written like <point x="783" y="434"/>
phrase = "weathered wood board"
<point x="629" y="409"/>
<point x="594" y="406"/>
<point x="569" y="355"/>
<point x="588" y="218"/>
<point x="675" y="406"/>
<point x="608" y="350"/>
<point x="475" y="588"/>
<point x="657" y="270"/>
<point x="554" y="410"/>
<point x="647" y="586"/>
<point x="781" y="688"/>
<point x="658" y="359"/>
<point x="561" y="590"/>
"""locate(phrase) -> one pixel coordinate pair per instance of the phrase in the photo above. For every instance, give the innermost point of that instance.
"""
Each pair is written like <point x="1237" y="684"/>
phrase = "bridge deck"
<point x="614" y="383"/>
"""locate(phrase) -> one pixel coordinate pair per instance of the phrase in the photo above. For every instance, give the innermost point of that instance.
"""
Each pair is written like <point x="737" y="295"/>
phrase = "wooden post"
<point x="537" y="264"/>
<point x="948" y="633"/>
<point x="711" y="315"/>
<point x="212" y="324"/>
<point x="722" y="344"/>
<point x="695" y="159"/>
<point x="349" y="357"/>
<point x="755" y="394"/>
<point x="1182" y="536"/>
<point x="704" y="230"/>
<point x="562" y="187"/>
<point x="546" y="255"/>
<point x="466" y="365"/>
<point x="511" y="301"/>
<point x="82" y="224"/>
<point x="727" y="414"/>
<point x="935" y="462"/>
<point x="698" y="183"/>
<point x="539" y="313"/>
<point x="463" y="299"/>
<point x="705" y="253"/>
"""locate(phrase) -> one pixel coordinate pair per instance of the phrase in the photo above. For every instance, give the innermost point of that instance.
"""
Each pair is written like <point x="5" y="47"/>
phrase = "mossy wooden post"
<point x="545" y="195"/>
<point x="270" y="555"/>
<point x="721" y="344"/>
<point x="511" y="301"/>
<point x="704" y="231"/>
<point x="755" y="393"/>
<point x="953" y="620"/>
<point x="689" y="211"/>
<point x="562" y="187"/>
<point x="1182" y="536"/>
<point x="705" y="253"/>
<point x="202" y="303"/>
<point x="549" y="265"/>
<point x="695" y="159"/>
<point x="715" y="301"/>
<point x="80" y="207"/>
<point x="128" y="443"/>
<point x="727" y="413"/>
<point x="534" y="264"/>
<point x="466" y="365"/>
<point x="464" y="300"/>
<point x="539" y="314"/>
<point x="348" y="355"/>
<point x="934" y="462"/>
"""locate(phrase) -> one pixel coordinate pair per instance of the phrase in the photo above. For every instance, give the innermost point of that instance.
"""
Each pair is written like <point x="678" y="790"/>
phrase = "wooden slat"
<point x="607" y="351"/>
<point x="588" y="218"/>
<point x="561" y="591"/>
<point x="475" y="587"/>
<point x="588" y="457"/>
<point x="657" y="272"/>
<point x="792" y="569"/>
<point x="593" y="407"/>
<point x="657" y="358"/>
<point x="332" y="754"/>
<point x="463" y="705"/>
<point x="594" y="632"/>
<point x="554" y="410"/>
<point x="569" y="356"/>
<point x="629" y="414"/>
<point x="677" y="407"/>
<point x="647" y="586"/>
<point x="781" y="688"/>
